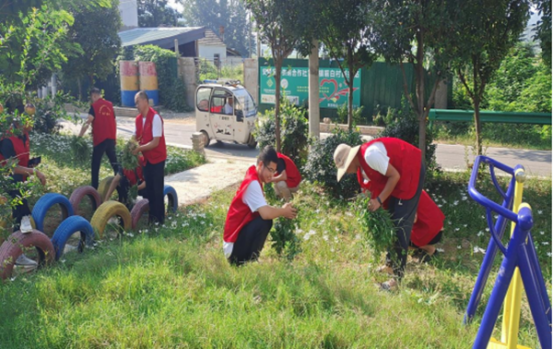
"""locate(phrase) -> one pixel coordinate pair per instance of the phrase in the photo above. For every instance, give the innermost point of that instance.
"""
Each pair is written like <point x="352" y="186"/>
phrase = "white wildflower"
<point x="477" y="249"/>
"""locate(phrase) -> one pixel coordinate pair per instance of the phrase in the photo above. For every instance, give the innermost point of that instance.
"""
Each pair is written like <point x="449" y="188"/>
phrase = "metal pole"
<point x="313" y="88"/>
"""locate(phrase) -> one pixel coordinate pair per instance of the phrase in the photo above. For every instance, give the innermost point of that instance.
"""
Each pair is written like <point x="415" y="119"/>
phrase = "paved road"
<point x="451" y="157"/>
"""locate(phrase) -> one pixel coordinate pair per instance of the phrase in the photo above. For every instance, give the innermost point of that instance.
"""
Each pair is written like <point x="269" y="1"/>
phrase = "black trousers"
<point x="250" y="241"/>
<point x="108" y="147"/>
<point x="124" y="188"/>
<point x="154" y="177"/>
<point x="403" y="215"/>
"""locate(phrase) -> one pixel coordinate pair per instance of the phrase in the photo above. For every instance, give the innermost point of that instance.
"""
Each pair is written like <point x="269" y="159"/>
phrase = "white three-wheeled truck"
<point x="225" y="112"/>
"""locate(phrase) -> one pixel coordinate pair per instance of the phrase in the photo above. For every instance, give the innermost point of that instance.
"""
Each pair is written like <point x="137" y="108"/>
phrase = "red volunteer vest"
<point x="144" y="135"/>
<point x="21" y="149"/>
<point x="135" y="175"/>
<point x="430" y="221"/>
<point x="430" y="218"/>
<point x="293" y="175"/>
<point x="103" y="125"/>
<point x="404" y="157"/>
<point x="239" y="213"/>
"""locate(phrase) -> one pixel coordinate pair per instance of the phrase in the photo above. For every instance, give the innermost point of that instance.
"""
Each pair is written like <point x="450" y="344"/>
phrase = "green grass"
<point x="519" y="136"/>
<point x="171" y="286"/>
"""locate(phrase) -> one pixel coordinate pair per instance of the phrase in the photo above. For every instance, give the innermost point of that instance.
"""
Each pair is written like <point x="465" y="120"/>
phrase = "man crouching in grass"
<point x="250" y="218"/>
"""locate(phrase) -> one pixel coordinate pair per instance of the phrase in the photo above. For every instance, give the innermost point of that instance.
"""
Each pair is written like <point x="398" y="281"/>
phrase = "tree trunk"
<point x="278" y="64"/>
<point x="313" y="88"/>
<point x="420" y="92"/>
<point x="79" y="89"/>
<point x="350" y="99"/>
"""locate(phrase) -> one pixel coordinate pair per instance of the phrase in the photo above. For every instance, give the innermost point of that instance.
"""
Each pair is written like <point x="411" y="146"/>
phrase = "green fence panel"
<point x="491" y="116"/>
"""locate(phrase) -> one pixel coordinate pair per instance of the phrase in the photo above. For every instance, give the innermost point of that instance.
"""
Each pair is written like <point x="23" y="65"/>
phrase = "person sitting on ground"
<point x="18" y="147"/>
<point x="287" y="178"/>
<point x="250" y="218"/>
<point x="124" y="180"/>
<point x="228" y="108"/>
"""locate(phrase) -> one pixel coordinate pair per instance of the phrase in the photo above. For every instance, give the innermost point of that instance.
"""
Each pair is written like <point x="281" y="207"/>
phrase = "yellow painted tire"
<point x="103" y="186"/>
<point x="106" y="211"/>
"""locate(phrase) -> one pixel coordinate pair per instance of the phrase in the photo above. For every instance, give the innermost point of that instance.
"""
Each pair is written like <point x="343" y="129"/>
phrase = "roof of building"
<point x="210" y="39"/>
<point x="162" y="37"/>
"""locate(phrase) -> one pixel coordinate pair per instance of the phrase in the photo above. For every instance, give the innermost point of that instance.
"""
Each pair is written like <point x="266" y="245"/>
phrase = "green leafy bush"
<point x="320" y="166"/>
<point x="378" y="227"/>
<point x="294" y="132"/>
<point x="342" y="114"/>
<point x="80" y="150"/>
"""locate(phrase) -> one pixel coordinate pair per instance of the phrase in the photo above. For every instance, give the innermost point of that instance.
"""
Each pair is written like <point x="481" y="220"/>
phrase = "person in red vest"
<point x="102" y="117"/>
<point x="18" y="147"/>
<point x="125" y="179"/>
<point x="287" y="178"/>
<point x="427" y="228"/>
<point x="149" y="132"/>
<point x="396" y="170"/>
<point x="250" y="218"/>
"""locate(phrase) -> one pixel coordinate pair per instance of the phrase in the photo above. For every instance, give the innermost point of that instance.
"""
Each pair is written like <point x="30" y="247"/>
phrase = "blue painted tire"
<point x="45" y="203"/>
<point x="69" y="227"/>
<point x="173" y="200"/>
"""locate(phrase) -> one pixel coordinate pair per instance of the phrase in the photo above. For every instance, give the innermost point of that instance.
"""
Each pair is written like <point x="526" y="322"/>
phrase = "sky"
<point x="176" y="5"/>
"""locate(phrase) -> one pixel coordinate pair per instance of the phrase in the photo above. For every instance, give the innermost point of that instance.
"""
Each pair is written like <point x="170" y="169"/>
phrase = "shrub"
<point x="294" y="132"/>
<point x="320" y="166"/>
<point x="342" y="115"/>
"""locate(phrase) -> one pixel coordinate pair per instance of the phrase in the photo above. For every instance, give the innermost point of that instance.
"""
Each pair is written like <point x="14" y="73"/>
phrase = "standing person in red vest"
<point x="395" y="169"/>
<point x="287" y="178"/>
<point x="102" y="117"/>
<point x="149" y="132"/>
<point x="18" y="147"/>
<point x="250" y="218"/>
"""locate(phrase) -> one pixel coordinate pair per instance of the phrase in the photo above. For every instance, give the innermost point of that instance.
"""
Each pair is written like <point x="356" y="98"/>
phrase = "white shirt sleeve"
<point x="157" y="126"/>
<point x="376" y="157"/>
<point x="254" y="197"/>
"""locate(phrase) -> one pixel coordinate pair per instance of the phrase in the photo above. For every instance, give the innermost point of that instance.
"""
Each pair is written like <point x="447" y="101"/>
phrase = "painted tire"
<point x="103" y="187"/>
<point x="78" y="195"/>
<point x="106" y="211"/>
<point x="45" y="203"/>
<point x="140" y="208"/>
<point x="68" y="227"/>
<point x="12" y="248"/>
<point x="173" y="200"/>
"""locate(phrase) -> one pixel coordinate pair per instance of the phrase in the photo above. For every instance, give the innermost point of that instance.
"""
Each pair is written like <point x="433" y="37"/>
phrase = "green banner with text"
<point x="333" y="90"/>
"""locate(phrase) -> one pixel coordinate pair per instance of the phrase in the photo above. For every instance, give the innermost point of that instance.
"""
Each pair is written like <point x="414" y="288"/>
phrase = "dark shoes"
<point x="426" y="258"/>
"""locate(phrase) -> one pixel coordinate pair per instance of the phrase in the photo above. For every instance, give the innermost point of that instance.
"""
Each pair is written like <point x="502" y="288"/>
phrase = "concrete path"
<point x="199" y="183"/>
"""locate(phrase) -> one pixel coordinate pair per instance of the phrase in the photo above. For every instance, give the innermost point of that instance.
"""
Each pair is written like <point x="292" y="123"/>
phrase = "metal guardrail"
<point x="491" y="116"/>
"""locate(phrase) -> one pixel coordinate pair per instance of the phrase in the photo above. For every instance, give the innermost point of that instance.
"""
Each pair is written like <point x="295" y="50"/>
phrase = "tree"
<point x="486" y="31"/>
<point x="231" y="15"/>
<point x="345" y="35"/>
<point x="156" y="13"/>
<point x="544" y="29"/>
<point x="10" y="10"/>
<point x="99" y="44"/>
<point x="274" y="21"/>
<point x="416" y="32"/>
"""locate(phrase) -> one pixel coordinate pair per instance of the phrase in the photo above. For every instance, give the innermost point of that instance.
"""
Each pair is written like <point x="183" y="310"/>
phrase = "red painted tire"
<point x="78" y="195"/>
<point x="140" y="208"/>
<point x="12" y="248"/>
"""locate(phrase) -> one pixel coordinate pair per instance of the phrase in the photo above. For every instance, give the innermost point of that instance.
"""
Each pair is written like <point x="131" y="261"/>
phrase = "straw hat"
<point x="343" y="156"/>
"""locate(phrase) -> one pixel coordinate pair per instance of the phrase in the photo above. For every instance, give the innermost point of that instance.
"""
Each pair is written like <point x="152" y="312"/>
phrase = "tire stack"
<point x="50" y="250"/>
